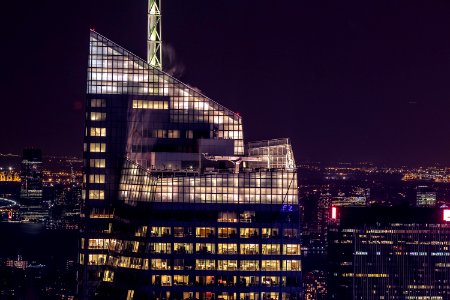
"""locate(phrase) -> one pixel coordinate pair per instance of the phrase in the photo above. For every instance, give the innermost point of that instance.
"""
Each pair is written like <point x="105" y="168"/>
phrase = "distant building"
<point x="315" y="285"/>
<point x="9" y="175"/>
<point x="426" y="197"/>
<point x="357" y="197"/>
<point x="18" y="263"/>
<point x="389" y="253"/>
<point x="31" y="176"/>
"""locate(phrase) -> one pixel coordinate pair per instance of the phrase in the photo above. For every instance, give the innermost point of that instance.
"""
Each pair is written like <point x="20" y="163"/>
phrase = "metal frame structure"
<point x="154" y="41"/>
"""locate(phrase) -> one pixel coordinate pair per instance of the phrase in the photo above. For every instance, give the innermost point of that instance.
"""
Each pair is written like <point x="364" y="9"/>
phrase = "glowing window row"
<point x="97" y="116"/>
<point x="224" y="232"/>
<point x="231" y="217"/>
<point x="97" y="147"/>
<point x="96" y="195"/>
<point x="97" y="178"/>
<point x="228" y="265"/>
<point x="169" y="280"/>
<point x="98" y="102"/>
<point x="188" y="248"/>
<point x="97" y="163"/>
<point x="97" y="131"/>
<point x="150" y="104"/>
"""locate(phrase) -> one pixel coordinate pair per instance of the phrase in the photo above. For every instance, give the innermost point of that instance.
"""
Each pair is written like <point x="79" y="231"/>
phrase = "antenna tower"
<point x="154" y="42"/>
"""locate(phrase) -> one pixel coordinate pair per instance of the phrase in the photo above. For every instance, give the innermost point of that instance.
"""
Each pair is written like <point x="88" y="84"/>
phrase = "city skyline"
<point x="347" y="82"/>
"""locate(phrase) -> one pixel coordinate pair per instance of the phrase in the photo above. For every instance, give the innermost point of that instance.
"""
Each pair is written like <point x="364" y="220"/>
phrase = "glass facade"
<point x="173" y="209"/>
<point x="401" y="260"/>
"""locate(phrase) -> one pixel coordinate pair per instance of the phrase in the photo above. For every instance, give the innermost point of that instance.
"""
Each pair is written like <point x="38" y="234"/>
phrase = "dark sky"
<point x="346" y="80"/>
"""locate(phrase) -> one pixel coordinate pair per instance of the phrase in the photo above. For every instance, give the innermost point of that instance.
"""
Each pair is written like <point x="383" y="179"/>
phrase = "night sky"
<point x="346" y="80"/>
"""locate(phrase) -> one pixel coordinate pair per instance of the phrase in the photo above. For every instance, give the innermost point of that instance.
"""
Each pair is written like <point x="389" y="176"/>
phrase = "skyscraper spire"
<point x="154" y="42"/>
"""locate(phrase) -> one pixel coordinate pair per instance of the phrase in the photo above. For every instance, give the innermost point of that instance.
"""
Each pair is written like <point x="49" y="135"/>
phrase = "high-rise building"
<point x="425" y="196"/>
<point x="389" y="253"/>
<point x="31" y="176"/>
<point x="174" y="205"/>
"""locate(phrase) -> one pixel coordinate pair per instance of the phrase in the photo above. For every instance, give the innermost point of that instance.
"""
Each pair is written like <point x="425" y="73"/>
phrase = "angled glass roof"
<point x="115" y="70"/>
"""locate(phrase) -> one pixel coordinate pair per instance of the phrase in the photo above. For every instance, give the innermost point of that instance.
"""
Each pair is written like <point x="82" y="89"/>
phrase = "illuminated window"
<point x="162" y="280"/>
<point x="97" y="163"/>
<point x="204" y="232"/>
<point x="150" y="104"/>
<point x="249" y="265"/>
<point x="227" y="265"/>
<point x="205" y="248"/>
<point x="225" y="232"/>
<point x="96" y="194"/>
<point x="173" y="134"/>
<point x="159" y="133"/>
<point x="98" y="102"/>
<point x="97" y="131"/>
<point x="180" y="280"/>
<point x="98" y="116"/>
<point x="269" y="232"/>
<point x="248" y="232"/>
<point x="247" y="217"/>
<point x="141" y="231"/>
<point x="227" y="248"/>
<point x="291" y="265"/>
<point x="97" y="178"/>
<point x="270" y="265"/>
<point x="97" y="259"/>
<point x="205" y="280"/>
<point x="291" y="249"/>
<point x="160" y="231"/>
<point x="205" y="264"/>
<point x="227" y="216"/>
<point x="98" y="243"/>
<point x="160" y="248"/>
<point x="130" y="295"/>
<point x="270" y="249"/>
<point x="108" y="276"/>
<point x="249" y="248"/>
<point x="97" y="147"/>
<point x="160" y="264"/>
<point x="183" y="248"/>
<point x="189" y="134"/>
<point x="270" y="281"/>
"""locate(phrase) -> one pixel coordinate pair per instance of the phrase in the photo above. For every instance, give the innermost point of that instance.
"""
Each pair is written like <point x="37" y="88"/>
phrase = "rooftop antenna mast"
<point x="154" y="42"/>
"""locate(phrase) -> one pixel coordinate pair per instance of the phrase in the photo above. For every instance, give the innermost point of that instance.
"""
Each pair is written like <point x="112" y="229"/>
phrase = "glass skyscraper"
<point x="389" y="253"/>
<point x="175" y="206"/>
<point x="31" y="177"/>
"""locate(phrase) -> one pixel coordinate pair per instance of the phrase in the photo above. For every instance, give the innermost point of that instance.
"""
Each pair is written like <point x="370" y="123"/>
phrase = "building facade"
<point x="425" y="196"/>
<point x="31" y="177"/>
<point x="389" y="253"/>
<point x="174" y="205"/>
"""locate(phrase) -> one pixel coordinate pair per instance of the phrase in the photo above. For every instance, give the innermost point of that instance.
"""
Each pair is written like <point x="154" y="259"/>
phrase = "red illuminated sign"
<point x="334" y="213"/>
<point x="446" y="215"/>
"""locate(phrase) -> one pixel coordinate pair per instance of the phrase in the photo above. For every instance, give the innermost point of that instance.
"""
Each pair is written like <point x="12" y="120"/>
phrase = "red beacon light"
<point x="446" y="215"/>
<point x="333" y="212"/>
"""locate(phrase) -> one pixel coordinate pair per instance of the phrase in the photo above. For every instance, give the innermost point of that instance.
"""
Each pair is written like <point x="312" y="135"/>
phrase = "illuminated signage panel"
<point x="446" y="215"/>
<point x="334" y="213"/>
